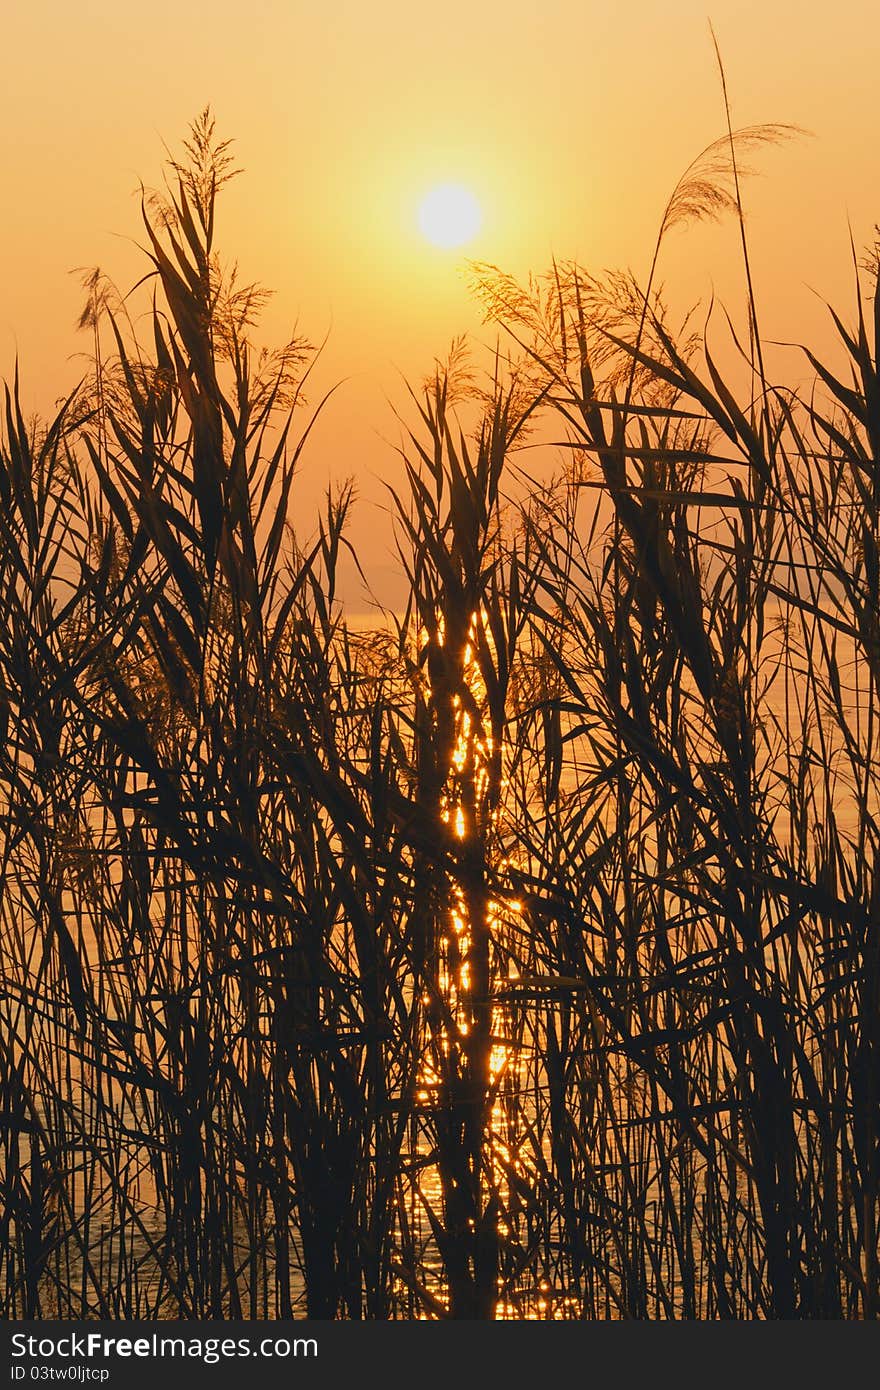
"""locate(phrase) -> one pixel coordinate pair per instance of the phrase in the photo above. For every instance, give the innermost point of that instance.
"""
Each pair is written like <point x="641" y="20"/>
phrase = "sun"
<point x="449" y="215"/>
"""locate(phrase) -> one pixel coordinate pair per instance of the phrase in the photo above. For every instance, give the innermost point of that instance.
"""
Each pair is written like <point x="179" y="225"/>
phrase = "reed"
<point x="518" y="957"/>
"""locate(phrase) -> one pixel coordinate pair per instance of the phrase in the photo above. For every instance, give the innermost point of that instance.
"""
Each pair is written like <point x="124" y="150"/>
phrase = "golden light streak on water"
<point x="471" y="770"/>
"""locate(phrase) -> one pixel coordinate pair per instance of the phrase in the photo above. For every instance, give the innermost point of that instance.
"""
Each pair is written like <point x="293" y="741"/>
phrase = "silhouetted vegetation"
<point x="518" y="956"/>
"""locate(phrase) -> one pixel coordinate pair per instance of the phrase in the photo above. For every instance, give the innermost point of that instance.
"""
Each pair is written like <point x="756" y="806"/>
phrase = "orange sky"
<point x="570" y="121"/>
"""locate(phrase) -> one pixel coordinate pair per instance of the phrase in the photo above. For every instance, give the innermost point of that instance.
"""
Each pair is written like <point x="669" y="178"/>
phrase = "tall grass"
<point x="517" y="958"/>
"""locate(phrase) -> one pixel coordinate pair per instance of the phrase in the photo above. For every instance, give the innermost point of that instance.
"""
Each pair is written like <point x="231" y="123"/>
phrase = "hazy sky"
<point x="570" y="121"/>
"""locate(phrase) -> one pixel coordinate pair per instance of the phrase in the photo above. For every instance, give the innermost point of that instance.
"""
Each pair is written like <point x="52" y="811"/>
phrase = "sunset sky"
<point x="569" y="122"/>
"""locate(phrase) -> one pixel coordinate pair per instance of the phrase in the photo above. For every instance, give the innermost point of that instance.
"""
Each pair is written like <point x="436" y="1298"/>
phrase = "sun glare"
<point x="449" y="216"/>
